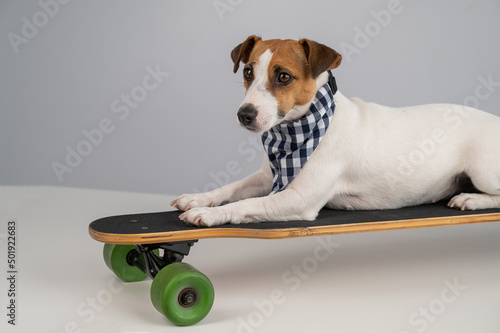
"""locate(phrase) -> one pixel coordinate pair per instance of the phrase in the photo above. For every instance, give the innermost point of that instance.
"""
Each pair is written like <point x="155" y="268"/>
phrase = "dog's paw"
<point x="203" y="217"/>
<point x="187" y="201"/>
<point x="469" y="201"/>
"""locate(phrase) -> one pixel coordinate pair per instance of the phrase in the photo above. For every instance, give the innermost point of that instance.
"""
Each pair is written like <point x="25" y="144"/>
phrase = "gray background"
<point x="183" y="135"/>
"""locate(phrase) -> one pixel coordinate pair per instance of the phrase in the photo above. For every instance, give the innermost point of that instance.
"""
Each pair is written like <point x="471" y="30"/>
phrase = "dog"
<point x="368" y="156"/>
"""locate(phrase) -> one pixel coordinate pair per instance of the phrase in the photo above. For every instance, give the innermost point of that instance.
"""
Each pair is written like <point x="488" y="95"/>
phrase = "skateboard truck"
<point x="145" y="258"/>
<point x="179" y="291"/>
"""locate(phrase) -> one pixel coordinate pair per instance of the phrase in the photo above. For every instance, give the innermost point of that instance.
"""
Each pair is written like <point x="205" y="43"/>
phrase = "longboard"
<point x="166" y="227"/>
<point x="154" y="245"/>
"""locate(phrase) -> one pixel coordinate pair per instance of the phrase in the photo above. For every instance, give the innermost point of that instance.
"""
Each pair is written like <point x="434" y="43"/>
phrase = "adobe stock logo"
<point x="372" y="29"/>
<point x="30" y="28"/>
<point x="292" y="280"/>
<point x="122" y="107"/>
<point x="222" y="7"/>
<point x="422" y="318"/>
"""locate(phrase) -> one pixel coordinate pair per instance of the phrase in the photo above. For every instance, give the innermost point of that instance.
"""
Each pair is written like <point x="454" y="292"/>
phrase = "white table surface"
<point x="442" y="280"/>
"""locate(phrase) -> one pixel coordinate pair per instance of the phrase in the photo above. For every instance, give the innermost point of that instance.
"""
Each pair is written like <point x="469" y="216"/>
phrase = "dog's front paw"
<point x="187" y="201"/>
<point x="203" y="217"/>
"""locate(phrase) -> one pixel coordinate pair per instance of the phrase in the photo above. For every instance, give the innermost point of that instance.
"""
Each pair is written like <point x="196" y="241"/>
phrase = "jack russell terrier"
<point x="325" y="150"/>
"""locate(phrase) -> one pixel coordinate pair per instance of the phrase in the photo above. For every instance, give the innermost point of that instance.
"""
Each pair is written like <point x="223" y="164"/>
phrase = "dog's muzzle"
<point x="247" y="114"/>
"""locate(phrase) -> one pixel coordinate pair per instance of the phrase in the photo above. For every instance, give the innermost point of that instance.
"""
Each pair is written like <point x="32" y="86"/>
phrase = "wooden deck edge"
<point x="204" y="233"/>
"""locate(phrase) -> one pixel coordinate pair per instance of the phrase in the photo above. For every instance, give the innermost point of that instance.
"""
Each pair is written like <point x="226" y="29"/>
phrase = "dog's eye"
<point x="248" y="73"/>
<point x="284" y="77"/>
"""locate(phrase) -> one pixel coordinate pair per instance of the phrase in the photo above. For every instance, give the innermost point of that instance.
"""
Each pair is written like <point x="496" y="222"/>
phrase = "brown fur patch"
<point x="289" y="56"/>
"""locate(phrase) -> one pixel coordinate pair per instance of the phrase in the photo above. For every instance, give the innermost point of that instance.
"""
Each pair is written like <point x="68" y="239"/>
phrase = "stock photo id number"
<point x="11" y="272"/>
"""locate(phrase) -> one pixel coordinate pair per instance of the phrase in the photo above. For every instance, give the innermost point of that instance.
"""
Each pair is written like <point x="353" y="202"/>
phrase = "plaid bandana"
<point x="289" y="145"/>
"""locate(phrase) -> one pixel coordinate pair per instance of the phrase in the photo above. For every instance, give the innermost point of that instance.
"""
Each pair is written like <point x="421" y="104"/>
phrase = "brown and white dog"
<point x="371" y="156"/>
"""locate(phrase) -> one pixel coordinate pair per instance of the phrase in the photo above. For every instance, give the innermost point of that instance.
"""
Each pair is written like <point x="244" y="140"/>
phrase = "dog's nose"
<point x="247" y="114"/>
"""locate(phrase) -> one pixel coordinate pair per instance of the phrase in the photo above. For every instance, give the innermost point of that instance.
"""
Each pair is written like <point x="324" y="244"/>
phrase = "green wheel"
<point x="182" y="293"/>
<point x="116" y="257"/>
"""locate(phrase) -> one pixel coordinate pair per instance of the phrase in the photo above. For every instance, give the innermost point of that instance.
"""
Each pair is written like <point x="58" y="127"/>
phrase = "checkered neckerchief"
<point x="289" y="145"/>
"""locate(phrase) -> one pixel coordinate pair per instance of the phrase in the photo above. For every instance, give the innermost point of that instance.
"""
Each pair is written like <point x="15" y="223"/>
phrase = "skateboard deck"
<point x="154" y="245"/>
<point x="159" y="227"/>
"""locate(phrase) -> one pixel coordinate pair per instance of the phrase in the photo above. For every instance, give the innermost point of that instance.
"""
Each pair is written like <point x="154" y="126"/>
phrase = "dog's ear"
<point x="319" y="57"/>
<point x="242" y="51"/>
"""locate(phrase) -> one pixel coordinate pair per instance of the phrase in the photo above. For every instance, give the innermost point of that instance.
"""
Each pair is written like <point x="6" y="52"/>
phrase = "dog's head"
<point x="279" y="76"/>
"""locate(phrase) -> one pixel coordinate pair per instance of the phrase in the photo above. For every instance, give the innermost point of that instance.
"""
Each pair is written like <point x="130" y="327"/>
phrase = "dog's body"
<point x="371" y="156"/>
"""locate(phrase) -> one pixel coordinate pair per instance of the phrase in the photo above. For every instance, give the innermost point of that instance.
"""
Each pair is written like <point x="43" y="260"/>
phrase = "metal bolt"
<point x="187" y="297"/>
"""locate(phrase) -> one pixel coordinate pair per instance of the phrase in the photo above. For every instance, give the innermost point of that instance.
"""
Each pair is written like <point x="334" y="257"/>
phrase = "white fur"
<point x="377" y="157"/>
<point x="257" y="95"/>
